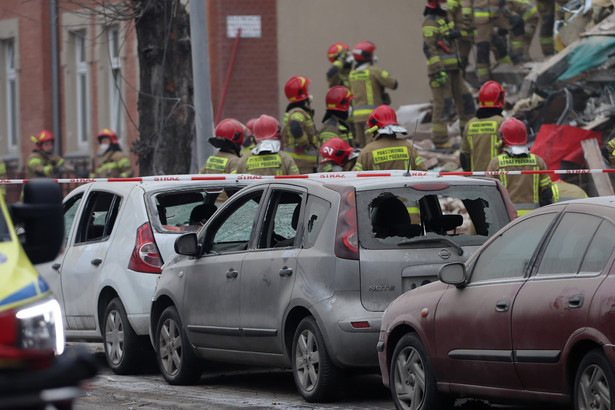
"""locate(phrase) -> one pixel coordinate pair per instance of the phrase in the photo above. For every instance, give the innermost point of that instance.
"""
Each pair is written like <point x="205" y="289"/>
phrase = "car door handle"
<point x="285" y="271"/>
<point x="502" y="305"/>
<point x="96" y="261"/>
<point x="56" y="266"/>
<point x="576" y="301"/>
<point x="232" y="273"/>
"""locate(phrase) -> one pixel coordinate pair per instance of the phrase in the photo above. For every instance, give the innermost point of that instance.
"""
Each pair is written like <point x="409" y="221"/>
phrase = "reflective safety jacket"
<point x="367" y="83"/>
<point x="440" y="52"/>
<point x="335" y="127"/>
<point x="481" y="11"/>
<point x="480" y="141"/>
<point x="300" y="138"/>
<point x="42" y="164"/>
<point x="279" y="163"/>
<point x="525" y="190"/>
<point x="221" y="163"/>
<point x="114" y="164"/>
<point x="611" y="148"/>
<point x="455" y="14"/>
<point x="386" y="153"/>
<point x="565" y="191"/>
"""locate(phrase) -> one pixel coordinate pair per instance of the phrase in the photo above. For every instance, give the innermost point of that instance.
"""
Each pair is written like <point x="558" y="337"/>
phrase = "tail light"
<point x="346" y="235"/>
<point x="145" y="255"/>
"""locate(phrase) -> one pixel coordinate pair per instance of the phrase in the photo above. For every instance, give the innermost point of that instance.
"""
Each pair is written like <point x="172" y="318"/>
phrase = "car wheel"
<point x="594" y="384"/>
<point x="122" y="345"/>
<point x="314" y="373"/>
<point x="176" y="360"/>
<point x="412" y="382"/>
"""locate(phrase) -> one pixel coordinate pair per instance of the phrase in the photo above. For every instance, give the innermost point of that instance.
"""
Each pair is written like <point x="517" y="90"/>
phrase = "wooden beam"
<point x="594" y="160"/>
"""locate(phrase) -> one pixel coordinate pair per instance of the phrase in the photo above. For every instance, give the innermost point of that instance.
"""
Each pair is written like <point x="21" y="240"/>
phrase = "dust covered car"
<point x="296" y="273"/>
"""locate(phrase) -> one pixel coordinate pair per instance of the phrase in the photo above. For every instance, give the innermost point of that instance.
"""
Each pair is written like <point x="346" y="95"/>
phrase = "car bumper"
<point x="58" y="383"/>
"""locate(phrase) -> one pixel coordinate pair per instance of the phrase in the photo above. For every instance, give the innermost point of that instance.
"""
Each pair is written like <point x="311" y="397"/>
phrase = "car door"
<point x="554" y="303"/>
<point x="212" y="293"/>
<point x="473" y="323"/>
<point x="269" y="271"/>
<point x="81" y="267"/>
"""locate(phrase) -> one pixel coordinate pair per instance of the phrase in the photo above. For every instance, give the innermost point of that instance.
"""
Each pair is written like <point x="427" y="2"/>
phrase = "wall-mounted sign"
<point x="250" y="26"/>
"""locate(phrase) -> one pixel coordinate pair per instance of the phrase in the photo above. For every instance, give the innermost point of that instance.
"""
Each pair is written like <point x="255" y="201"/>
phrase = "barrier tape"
<point x="323" y="175"/>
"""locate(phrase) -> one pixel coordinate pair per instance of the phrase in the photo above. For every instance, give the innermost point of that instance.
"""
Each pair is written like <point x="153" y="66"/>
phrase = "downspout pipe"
<point x="55" y="76"/>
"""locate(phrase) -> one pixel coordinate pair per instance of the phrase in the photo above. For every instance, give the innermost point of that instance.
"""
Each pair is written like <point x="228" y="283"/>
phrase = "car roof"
<point x="149" y="186"/>
<point x="608" y="201"/>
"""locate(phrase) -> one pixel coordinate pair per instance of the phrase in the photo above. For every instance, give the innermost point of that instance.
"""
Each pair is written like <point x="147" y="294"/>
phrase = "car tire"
<point x="594" y="384"/>
<point x="123" y="348"/>
<point x="176" y="360"/>
<point x="314" y="373"/>
<point x="412" y="381"/>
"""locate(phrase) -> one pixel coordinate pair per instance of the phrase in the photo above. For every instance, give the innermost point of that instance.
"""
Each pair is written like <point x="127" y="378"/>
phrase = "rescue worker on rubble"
<point x="266" y="157"/>
<point x="466" y="32"/>
<point x="340" y="57"/>
<point x="112" y="162"/>
<point x="335" y="122"/>
<point x="299" y="135"/>
<point x="486" y="16"/>
<point x="42" y="162"/>
<point x="336" y="156"/>
<point x="550" y="10"/>
<point x="445" y="74"/>
<point x="229" y="136"/>
<point x="387" y="151"/>
<point x="527" y="191"/>
<point x="480" y="142"/>
<point x="523" y="18"/>
<point x="368" y="83"/>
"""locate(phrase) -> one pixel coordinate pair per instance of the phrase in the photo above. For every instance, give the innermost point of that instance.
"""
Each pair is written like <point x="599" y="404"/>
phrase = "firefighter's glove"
<point x="453" y="34"/>
<point x="439" y="79"/>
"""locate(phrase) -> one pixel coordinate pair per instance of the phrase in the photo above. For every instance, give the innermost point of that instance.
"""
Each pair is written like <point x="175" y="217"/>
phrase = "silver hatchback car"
<point x="297" y="273"/>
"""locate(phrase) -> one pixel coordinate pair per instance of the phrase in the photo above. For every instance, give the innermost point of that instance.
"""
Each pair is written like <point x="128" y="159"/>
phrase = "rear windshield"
<point x="465" y="214"/>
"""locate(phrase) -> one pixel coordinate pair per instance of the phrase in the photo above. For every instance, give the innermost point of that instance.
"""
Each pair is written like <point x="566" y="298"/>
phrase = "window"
<point x="600" y="249"/>
<point x="233" y="232"/>
<point x="98" y="218"/>
<point x="317" y="210"/>
<point x="282" y="220"/>
<point x="568" y="244"/>
<point x="115" y="80"/>
<point x="11" y="93"/>
<point x="70" y="211"/>
<point x="510" y="254"/>
<point x="82" y="93"/>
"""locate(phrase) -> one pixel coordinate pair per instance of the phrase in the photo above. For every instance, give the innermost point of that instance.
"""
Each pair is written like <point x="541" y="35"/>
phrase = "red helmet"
<point x="338" y="98"/>
<point x="231" y="129"/>
<point x="266" y="128"/>
<point x="491" y="94"/>
<point x="250" y="125"/>
<point x="42" y="136"/>
<point x="106" y="132"/>
<point x="381" y="117"/>
<point x="336" y="150"/>
<point x="296" y="88"/>
<point x="363" y="51"/>
<point x="432" y="4"/>
<point x="513" y="132"/>
<point x="335" y="50"/>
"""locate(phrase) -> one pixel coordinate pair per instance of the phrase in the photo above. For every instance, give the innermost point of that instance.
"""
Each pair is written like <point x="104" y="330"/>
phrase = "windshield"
<point x="465" y="215"/>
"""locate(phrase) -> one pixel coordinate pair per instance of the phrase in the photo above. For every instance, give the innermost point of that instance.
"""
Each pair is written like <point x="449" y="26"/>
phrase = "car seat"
<point x="294" y="223"/>
<point x="201" y="213"/>
<point x="391" y="218"/>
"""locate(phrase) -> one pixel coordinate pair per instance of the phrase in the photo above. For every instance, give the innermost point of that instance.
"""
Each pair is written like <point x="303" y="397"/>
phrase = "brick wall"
<point x="253" y="86"/>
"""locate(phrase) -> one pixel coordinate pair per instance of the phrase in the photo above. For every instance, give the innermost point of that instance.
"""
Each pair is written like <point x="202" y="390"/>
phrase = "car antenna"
<point x="416" y="124"/>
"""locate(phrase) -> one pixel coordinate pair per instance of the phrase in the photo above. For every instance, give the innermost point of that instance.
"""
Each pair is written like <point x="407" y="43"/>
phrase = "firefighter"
<point x="480" y="140"/>
<point x="229" y="136"/>
<point x="387" y="152"/>
<point x="335" y="122"/>
<point x="566" y="191"/>
<point x="368" y="83"/>
<point x="549" y="11"/>
<point x="340" y="57"/>
<point x="42" y="162"/>
<point x="336" y="156"/>
<point x="112" y="162"/>
<point x="486" y="16"/>
<point x="444" y="70"/>
<point x="299" y="135"/>
<point x="266" y="157"/>
<point x="527" y="191"/>
<point x="523" y="19"/>
<point x="466" y="32"/>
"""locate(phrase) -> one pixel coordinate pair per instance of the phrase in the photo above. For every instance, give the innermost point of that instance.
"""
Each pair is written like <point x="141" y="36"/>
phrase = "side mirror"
<point x="187" y="244"/>
<point x="453" y="274"/>
<point x="42" y="217"/>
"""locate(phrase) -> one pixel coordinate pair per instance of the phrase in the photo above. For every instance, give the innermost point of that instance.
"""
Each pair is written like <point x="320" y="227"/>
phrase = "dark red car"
<point x="529" y="317"/>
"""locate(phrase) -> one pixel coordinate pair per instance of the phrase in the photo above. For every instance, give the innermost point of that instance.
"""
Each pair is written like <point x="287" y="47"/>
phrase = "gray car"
<point x="297" y="273"/>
